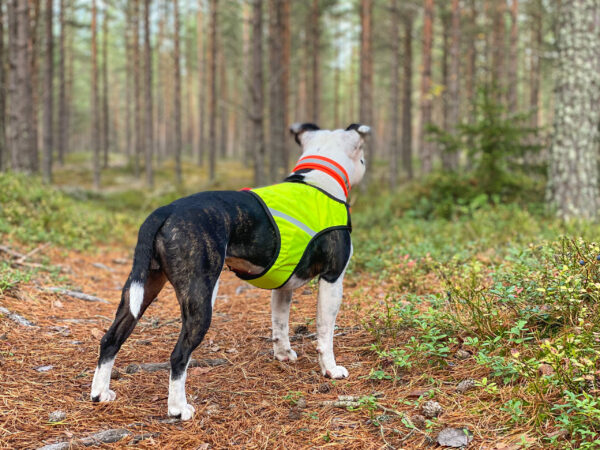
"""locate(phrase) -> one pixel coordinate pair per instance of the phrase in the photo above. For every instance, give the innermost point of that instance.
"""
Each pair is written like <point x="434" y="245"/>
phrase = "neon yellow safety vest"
<point x="300" y="213"/>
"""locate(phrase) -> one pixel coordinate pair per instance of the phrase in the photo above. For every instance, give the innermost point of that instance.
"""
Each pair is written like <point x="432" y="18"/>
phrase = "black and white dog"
<point x="189" y="241"/>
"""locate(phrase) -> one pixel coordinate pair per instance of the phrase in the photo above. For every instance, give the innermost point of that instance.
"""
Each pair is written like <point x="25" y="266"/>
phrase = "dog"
<point x="257" y="234"/>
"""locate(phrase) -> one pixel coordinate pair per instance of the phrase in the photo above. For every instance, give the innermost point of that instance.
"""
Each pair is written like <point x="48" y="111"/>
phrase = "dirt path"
<point x="246" y="402"/>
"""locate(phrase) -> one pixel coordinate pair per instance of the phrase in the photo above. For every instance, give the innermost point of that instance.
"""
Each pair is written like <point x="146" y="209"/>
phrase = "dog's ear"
<point x="298" y="128"/>
<point x="363" y="130"/>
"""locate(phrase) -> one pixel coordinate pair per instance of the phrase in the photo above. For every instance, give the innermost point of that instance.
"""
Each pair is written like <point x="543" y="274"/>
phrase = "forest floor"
<point x="248" y="400"/>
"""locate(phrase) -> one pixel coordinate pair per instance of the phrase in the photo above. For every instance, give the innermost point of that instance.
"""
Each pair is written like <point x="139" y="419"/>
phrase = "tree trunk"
<point x="445" y="15"/>
<point x="62" y="93"/>
<point x="48" y="95"/>
<point x="285" y="82"/>
<point x="453" y="81"/>
<point x="366" y="68"/>
<point x="149" y="128"/>
<point x="315" y="43"/>
<point x="22" y="139"/>
<point x="498" y="63"/>
<point x="513" y="58"/>
<point x="212" y="87"/>
<point x="573" y="172"/>
<point x="394" y="95"/>
<point x="425" y="147"/>
<point x="223" y="115"/>
<point x="200" y="75"/>
<point x="470" y="76"/>
<point x="95" y="103"/>
<point x="177" y="93"/>
<point x="128" y="76"/>
<point x="137" y="114"/>
<point x="257" y="94"/>
<point x="277" y="126"/>
<point x="2" y="93"/>
<point x="535" y="69"/>
<point x="105" y="115"/>
<point x="407" y="97"/>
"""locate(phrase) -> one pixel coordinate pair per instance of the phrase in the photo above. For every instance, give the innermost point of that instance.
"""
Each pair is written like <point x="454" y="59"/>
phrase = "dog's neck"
<point x="324" y="173"/>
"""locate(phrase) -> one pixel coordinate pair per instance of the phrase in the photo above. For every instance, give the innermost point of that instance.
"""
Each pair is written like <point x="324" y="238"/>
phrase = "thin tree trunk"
<point x="200" y="75"/>
<point x="394" y="95"/>
<point x="95" y="103"/>
<point x="128" y="70"/>
<point x="247" y="147"/>
<point x="34" y="38"/>
<point x="535" y="70"/>
<point x="22" y="140"/>
<point x="366" y="68"/>
<point x="149" y="128"/>
<point x="425" y="147"/>
<point x="223" y="113"/>
<point x="212" y="87"/>
<point x="285" y="82"/>
<point x="471" y="63"/>
<point x="177" y="93"/>
<point x="407" y="97"/>
<point x="48" y="95"/>
<point x="513" y="58"/>
<point x="446" y="19"/>
<point x="573" y="174"/>
<point x="105" y="115"/>
<point x="498" y="63"/>
<point x="62" y="94"/>
<point x="315" y="40"/>
<point x="2" y="93"/>
<point x="257" y="94"/>
<point x="277" y="135"/>
<point x="454" y="77"/>
<point x="137" y="114"/>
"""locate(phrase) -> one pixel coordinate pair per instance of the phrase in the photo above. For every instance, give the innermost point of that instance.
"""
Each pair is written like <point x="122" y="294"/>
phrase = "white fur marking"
<point x="178" y="405"/>
<point x="214" y="294"/>
<point x="101" y="382"/>
<point x="136" y="298"/>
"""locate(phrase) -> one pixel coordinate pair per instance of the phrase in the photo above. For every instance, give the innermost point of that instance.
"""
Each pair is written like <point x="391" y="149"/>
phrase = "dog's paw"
<point x="286" y="355"/>
<point x="337" y="372"/>
<point x="184" y="412"/>
<point x="104" y="396"/>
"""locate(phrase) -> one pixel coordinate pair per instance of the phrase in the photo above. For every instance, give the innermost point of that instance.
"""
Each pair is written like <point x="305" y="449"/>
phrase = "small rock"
<point x="301" y="329"/>
<point x="63" y="331"/>
<point x="416" y="393"/>
<point x="465" y="385"/>
<point x="324" y="388"/>
<point x="295" y="413"/>
<point x="418" y="421"/>
<point x="215" y="348"/>
<point x="57" y="416"/>
<point x="432" y="409"/>
<point x="115" y="374"/>
<point x="3" y="337"/>
<point x="301" y="403"/>
<point x="545" y="370"/>
<point x="212" y="409"/>
<point x="132" y="368"/>
<point x="44" y="368"/>
<point x="231" y="350"/>
<point x="120" y="261"/>
<point x="306" y="292"/>
<point x="454" y="437"/>
<point x="462" y="354"/>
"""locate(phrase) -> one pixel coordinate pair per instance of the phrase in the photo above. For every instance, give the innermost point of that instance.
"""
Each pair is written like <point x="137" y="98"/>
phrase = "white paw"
<point x="286" y="355"/>
<point x="184" y="413"/>
<point x="104" y="396"/>
<point x="337" y="372"/>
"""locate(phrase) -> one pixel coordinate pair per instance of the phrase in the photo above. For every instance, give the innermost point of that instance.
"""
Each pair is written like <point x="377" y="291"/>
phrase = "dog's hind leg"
<point x="280" y="315"/>
<point x="120" y="330"/>
<point x="195" y="298"/>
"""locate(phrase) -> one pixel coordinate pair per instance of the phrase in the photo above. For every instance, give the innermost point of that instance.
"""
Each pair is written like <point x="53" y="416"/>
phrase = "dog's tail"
<point x="142" y="257"/>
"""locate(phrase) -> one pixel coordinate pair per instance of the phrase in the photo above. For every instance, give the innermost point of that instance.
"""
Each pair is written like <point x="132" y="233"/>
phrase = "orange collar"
<point x="327" y="165"/>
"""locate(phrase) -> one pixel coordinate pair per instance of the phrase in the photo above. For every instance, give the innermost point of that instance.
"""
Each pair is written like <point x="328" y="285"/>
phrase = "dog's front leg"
<point x="328" y="305"/>
<point x="280" y="316"/>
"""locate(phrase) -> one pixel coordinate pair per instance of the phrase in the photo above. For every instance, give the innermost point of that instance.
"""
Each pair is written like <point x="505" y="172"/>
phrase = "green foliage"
<point x="11" y="277"/>
<point x="32" y="212"/>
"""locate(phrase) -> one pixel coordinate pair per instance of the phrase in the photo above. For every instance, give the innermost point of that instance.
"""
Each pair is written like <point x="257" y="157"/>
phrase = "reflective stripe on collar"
<point x="327" y="165"/>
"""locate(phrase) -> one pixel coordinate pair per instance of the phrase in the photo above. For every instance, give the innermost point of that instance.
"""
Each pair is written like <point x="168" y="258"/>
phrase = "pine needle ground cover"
<point x="484" y="321"/>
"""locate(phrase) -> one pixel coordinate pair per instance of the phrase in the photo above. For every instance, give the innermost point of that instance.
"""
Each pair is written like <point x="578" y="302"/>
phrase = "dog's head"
<point x="343" y="146"/>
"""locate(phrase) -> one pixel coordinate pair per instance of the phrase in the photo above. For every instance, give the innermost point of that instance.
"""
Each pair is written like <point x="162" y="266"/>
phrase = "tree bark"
<point x="277" y="126"/>
<point x="366" y="68"/>
<point x="223" y="94"/>
<point x="128" y="76"/>
<point x="212" y="88"/>
<point x="453" y="81"/>
<point x="200" y="75"/>
<point x="394" y="94"/>
<point x="407" y="97"/>
<point x="22" y="133"/>
<point x="177" y="93"/>
<point x="573" y="171"/>
<point x="315" y="39"/>
<point x="257" y="94"/>
<point x="498" y="51"/>
<point x="425" y="147"/>
<point x="48" y="95"/>
<point x="95" y="102"/>
<point x="513" y="58"/>
<point x="535" y="69"/>
<point x="149" y="128"/>
<point x="2" y="93"/>
<point x="137" y="114"/>
<point x="62" y="93"/>
<point x="105" y="115"/>
<point x="470" y="76"/>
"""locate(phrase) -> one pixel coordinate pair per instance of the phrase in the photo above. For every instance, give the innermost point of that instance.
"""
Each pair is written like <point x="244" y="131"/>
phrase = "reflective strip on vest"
<point x="299" y="224"/>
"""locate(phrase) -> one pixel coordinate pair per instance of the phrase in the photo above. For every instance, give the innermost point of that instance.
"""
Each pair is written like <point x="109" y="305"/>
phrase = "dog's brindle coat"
<point x="189" y="241"/>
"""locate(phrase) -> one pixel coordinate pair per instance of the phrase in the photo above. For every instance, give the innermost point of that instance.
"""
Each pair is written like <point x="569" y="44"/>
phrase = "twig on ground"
<point x="103" y="267"/>
<point x="16" y="317"/>
<point x="154" y="367"/>
<point x="76" y="294"/>
<point x="102" y="437"/>
<point x="23" y="258"/>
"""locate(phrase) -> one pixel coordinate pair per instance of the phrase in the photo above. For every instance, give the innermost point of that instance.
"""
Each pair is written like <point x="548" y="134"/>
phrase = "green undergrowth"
<point x="514" y="288"/>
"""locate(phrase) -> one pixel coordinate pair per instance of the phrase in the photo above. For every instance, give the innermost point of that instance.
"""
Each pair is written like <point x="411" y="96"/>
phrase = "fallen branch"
<point x="103" y="267"/>
<point x="11" y="252"/>
<point x="20" y="257"/>
<point x="154" y="367"/>
<point x="16" y="317"/>
<point x="76" y="294"/>
<point x="23" y="258"/>
<point x="102" y="437"/>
